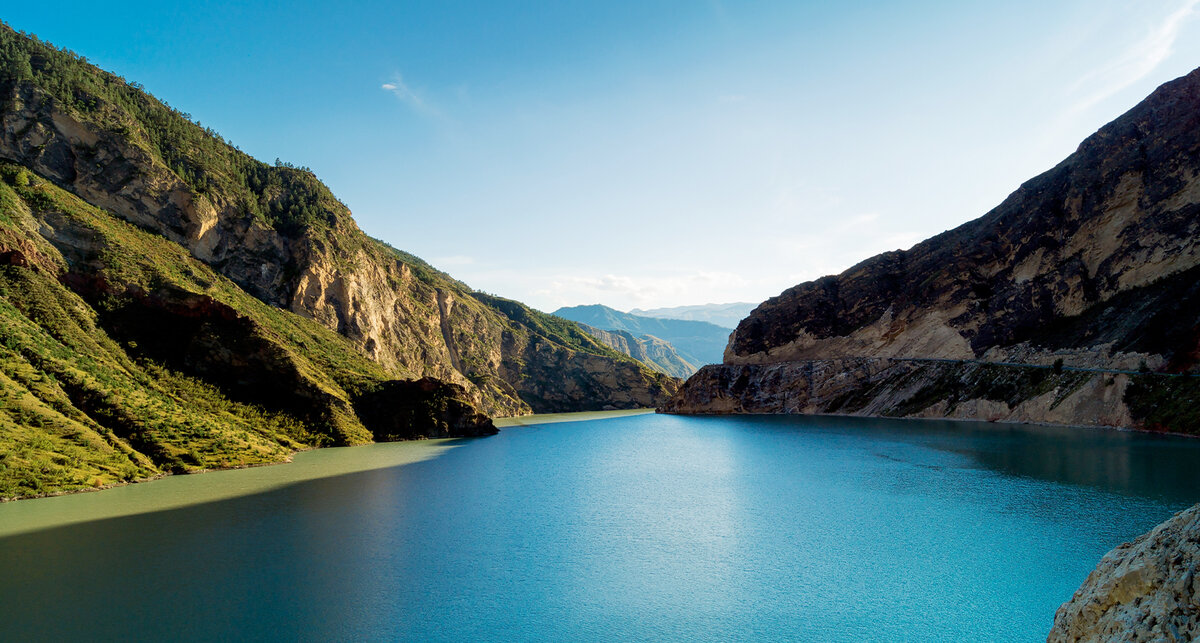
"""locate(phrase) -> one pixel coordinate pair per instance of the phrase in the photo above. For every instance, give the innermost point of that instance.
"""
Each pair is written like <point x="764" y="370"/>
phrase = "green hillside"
<point x="172" y="304"/>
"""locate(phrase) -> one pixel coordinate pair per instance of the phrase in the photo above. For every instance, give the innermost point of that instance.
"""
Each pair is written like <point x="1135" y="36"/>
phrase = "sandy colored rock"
<point x="1147" y="590"/>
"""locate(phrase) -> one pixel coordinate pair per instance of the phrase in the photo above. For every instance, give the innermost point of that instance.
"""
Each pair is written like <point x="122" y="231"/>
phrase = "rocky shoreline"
<point x="960" y="390"/>
<point x="1146" y="590"/>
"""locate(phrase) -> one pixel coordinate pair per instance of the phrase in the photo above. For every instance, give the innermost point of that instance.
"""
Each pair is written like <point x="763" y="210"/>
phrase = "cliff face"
<point x="1093" y="263"/>
<point x="1117" y="215"/>
<point x="1147" y="590"/>
<point x="892" y="387"/>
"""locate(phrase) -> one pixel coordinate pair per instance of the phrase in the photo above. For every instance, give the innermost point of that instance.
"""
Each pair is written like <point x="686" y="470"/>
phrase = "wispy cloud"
<point x="1135" y="62"/>
<point x="623" y="291"/>
<point x="411" y="97"/>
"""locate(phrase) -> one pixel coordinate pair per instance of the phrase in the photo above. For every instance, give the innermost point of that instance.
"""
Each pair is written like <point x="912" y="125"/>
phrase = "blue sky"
<point x="644" y="154"/>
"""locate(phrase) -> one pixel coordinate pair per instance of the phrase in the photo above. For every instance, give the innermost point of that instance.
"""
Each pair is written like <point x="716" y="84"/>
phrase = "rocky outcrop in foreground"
<point x="425" y="408"/>
<point x="1147" y="590"/>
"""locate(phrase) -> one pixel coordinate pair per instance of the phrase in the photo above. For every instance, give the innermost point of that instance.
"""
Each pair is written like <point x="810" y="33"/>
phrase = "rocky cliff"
<point x="138" y="244"/>
<point x="277" y="233"/>
<point x="1147" y="590"/>
<point x="1092" y="265"/>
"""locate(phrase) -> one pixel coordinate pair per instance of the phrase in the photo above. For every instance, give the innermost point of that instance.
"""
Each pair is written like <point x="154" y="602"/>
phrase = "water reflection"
<point x="1165" y="468"/>
<point x="643" y="528"/>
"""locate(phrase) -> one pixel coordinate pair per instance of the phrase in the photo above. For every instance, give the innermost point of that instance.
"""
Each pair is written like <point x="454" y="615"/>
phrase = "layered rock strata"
<point x="1092" y="265"/>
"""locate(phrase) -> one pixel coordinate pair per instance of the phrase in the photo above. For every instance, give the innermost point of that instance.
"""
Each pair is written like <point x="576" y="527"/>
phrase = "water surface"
<point x="644" y="528"/>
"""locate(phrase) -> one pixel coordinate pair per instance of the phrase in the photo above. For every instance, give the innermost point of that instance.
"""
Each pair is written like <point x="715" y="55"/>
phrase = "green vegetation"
<point x="562" y="331"/>
<point x="289" y="198"/>
<point x="80" y="408"/>
<point x="78" y="411"/>
<point x="1165" y="403"/>
<point x="127" y="357"/>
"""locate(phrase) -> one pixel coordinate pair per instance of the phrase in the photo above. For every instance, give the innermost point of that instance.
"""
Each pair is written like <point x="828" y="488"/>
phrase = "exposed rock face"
<point x="909" y="388"/>
<point x="239" y="216"/>
<point x="655" y="353"/>
<point x="1118" y="214"/>
<point x="170" y="304"/>
<point x="1094" y="263"/>
<point x="1147" y="590"/>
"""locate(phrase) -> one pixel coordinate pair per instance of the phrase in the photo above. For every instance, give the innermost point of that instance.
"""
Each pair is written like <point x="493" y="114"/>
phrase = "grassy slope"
<point x="80" y="410"/>
<point x="284" y="196"/>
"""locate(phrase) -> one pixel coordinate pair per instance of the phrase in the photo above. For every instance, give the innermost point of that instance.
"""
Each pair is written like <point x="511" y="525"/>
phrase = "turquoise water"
<point x="637" y="528"/>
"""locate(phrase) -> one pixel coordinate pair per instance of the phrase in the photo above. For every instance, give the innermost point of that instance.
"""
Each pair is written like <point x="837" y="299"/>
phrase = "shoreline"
<point x="69" y="504"/>
<point x="501" y="422"/>
<point x="574" y="416"/>
<point x="174" y="491"/>
<point x="1095" y="427"/>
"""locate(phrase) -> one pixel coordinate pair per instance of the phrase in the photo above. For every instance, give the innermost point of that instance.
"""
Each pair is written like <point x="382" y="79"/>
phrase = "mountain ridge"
<point x="723" y="315"/>
<point x="1086" y="265"/>
<point x="655" y="353"/>
<point x="697" y="342"/>
<point x="266" y="301"/>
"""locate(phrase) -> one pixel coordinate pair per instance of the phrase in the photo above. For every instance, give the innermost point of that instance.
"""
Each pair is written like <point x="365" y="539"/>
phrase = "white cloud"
<point x="625" y="292"/>
<point x="410" y="97"/>
<point x="1135" y="62"/>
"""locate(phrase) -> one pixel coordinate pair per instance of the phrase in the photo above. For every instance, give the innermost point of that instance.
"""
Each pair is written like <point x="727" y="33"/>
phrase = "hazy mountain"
<point x="656" y="353"/>
<point x="723" y="315"/>
<point x="696" y="342"/>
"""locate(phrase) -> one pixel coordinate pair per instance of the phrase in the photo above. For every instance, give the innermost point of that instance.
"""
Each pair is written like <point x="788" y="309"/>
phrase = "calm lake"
<point x="641" y="527"/>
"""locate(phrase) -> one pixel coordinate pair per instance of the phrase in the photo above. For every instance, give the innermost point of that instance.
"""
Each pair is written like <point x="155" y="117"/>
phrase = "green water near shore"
<point x="174" y="492"/>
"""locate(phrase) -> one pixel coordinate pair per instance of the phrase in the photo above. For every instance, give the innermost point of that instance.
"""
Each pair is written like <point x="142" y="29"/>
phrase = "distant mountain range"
<point x="696" y="342"/>
<point x="723" y="315"/>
